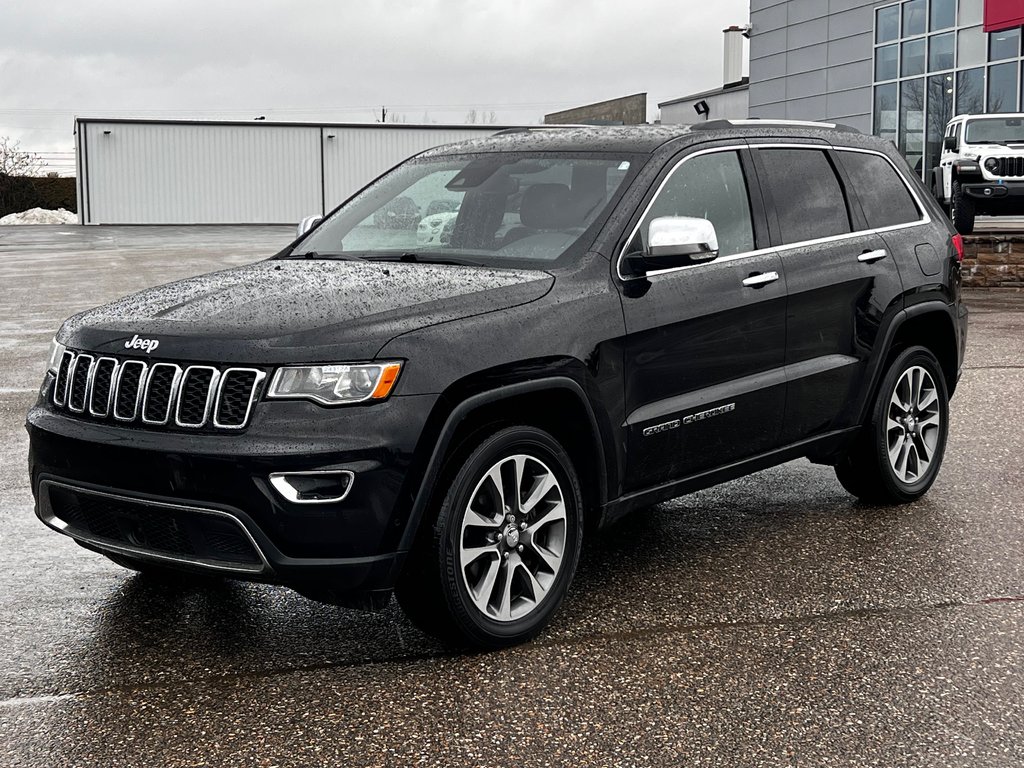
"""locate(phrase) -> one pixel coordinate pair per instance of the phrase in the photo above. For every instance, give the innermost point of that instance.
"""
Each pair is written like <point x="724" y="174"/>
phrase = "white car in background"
<point x="435" y="228"/>
<point x="981" y="171"/>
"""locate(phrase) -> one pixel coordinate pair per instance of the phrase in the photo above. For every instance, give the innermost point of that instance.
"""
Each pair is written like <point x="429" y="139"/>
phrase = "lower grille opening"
<point x="186" y="533"/>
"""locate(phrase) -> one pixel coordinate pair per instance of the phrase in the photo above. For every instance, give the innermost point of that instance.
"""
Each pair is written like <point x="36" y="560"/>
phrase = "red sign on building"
<point x="1003" y="14"/>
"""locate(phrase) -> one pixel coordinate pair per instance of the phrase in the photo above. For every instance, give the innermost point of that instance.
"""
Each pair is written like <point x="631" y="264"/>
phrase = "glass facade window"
<point x="1004" y="45"/>
<point x="942" y="15"/>
<point x="970" y="47"/>
<point x="914" y="17"/>
<point x="886" y="119"/>
<point x="887" y="62"/>
<point x="911" y="131"/>
<point x="940" y="112"/>
<point x="913" y="58"/>
<point x="1002" y="87"/>
<point x="887" y="24"/>
<point x="932" y="61"/>
<point x="970" y="91"/>
<point x="971" y="12"/>
<point x="940" y="52"/>
<point x="1022" y="86"/>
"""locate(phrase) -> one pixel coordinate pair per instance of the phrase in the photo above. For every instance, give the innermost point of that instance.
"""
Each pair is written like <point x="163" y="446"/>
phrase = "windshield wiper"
<point x="418" y="258"/>
<point x="318" y="255"/>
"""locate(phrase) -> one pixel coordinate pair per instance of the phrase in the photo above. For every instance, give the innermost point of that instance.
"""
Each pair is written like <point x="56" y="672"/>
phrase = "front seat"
<point x="543" y="207"/>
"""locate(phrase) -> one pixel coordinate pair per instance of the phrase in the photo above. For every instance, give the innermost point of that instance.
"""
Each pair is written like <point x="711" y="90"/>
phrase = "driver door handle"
<point x="756" y="281"/>
<point x="870" y="257"/>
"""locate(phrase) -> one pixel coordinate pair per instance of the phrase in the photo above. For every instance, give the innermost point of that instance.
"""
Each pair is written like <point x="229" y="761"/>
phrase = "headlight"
<point x="992" y="165"/>
<point x="56" y="353"/>
<point x="335" y="384"/>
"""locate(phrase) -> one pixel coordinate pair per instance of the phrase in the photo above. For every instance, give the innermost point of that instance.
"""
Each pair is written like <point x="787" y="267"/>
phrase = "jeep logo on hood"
<point x="146" y="345"/>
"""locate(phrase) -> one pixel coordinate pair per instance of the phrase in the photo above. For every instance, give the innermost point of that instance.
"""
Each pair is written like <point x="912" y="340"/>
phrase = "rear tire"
<point x="897" y="456"/>
<point x="496" y="562"/>
<point x="962" y="211"/>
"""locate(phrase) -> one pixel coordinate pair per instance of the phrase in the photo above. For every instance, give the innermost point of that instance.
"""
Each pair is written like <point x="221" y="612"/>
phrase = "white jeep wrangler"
<point x="982" y="168"/>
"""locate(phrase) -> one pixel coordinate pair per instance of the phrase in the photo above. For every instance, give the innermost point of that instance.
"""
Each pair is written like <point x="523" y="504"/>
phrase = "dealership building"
<point x="901" y="70"/>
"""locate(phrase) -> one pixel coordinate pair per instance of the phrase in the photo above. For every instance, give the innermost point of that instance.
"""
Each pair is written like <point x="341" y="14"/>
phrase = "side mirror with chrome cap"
<point x="307" y="224"/>
<point x="676" y="241"/>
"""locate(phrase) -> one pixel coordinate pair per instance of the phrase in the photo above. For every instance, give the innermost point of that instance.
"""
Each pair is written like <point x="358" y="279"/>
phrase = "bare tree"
<point x="471" y="116"/>
<point x="16" y="162"/>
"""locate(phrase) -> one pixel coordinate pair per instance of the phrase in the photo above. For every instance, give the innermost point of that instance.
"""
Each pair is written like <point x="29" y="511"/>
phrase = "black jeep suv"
<point x="617" y="317"/>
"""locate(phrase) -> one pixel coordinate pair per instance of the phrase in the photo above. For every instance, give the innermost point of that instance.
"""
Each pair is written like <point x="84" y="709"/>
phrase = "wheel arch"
<point x="929" y="324"/>
<point x="542" y="402"/>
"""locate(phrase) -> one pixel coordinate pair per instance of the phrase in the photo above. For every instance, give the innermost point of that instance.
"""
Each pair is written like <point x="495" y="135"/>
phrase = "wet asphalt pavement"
<point x="772" y="621"/>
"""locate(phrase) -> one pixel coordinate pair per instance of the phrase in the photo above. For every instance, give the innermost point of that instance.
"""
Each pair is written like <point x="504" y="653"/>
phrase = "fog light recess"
<point x="326" y="486"/>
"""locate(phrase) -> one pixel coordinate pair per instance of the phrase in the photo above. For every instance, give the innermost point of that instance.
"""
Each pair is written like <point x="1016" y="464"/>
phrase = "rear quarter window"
<point x="881" y="191"/>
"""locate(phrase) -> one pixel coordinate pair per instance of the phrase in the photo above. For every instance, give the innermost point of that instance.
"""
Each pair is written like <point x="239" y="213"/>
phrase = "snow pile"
<point x="40" y="216"/>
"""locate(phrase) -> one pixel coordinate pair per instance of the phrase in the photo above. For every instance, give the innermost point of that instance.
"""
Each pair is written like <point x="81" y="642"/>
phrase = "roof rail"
<point x="718" y="125"/>
<point x="545" y="127"/>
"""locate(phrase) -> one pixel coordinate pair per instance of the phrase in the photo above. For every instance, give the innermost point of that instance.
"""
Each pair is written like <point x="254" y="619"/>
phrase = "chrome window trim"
<point x="211" y="394"/>
<point x="61" y="526"/>
<point x="922" y="210"/>
<point x="72" y="373"/>
<point x="654" y="198"/>
<point x="138" y="395"/>
<point x="92" y="383"/>
<point x="260" y="376"/>
<point x="171" y="397"/>
<point x="279" y="482"/>
<point x="67" y="380"/>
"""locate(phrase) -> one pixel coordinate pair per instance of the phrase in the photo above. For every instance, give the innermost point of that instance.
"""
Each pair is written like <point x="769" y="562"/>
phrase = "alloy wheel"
<point x="913" y="425"/>
<point x="513" y="537"/>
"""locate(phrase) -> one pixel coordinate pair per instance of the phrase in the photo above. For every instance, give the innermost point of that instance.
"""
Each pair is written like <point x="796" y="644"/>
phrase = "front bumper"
<point x="1010" y="193"/>
<point x="205" y="501"/>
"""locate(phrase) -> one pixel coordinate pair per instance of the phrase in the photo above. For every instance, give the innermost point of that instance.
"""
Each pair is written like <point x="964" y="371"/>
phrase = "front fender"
<point x="452" y="411"/>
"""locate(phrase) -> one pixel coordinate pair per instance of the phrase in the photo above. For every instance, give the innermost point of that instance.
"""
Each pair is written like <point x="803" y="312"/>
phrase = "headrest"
<point x="547" y="206"/>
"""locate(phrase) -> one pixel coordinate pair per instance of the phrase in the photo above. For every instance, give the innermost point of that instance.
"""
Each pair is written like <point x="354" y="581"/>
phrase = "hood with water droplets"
<point x="294" y="311"/>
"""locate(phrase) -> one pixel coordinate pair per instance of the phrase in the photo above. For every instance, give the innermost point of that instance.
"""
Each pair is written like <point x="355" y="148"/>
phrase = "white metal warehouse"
<point x="207" y="172"/>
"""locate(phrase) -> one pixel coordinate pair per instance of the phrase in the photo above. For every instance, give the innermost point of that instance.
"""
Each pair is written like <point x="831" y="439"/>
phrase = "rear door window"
<point x="883" y="196"/>
<point x="808" y="197"/>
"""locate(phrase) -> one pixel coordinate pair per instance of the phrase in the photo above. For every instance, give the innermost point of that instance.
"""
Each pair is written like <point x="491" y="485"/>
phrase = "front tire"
<point x="962" y="211"/>
<point x="939" y="194"/>
<point x="500" y="555"/>
<point x="897" y="456"/>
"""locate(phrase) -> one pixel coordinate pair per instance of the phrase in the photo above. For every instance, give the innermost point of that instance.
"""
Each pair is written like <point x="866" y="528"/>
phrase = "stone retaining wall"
<point x="994" y="261"/>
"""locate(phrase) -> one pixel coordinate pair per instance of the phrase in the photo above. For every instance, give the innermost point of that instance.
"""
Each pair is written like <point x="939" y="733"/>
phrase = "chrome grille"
<point x="60" y="389"/>
<point x="161" y="389"/>
<point x="1009" y="166"/>
<point x="156" y="394"/>
<point x="129" y="390"/>
<point x="102" y="387"/>
<point x="196" y="395"/>
<point x="78" y="389"/>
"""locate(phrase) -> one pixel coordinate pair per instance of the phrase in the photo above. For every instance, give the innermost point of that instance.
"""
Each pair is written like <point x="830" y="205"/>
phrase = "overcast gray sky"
<point x="425" y="60"/>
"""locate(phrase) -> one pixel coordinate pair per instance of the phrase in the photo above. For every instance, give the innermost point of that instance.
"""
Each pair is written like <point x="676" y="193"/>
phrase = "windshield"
<point x="995" y="130"/>
<point x="500" y="209"/>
